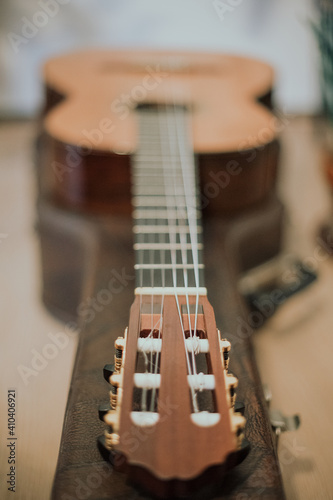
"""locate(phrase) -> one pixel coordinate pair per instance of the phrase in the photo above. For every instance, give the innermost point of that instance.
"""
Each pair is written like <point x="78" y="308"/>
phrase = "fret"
<point x="166" y="214"/>
<point x="156" y="182"/>
<point x="164" y="229"/>
<point x="153" y="157"/>
<point x="179" y="177"/>
<point x="165" y="246"/>
<point x="168" y="256"/>
<point x="179" y="278"/>
<point x="148" y="191"/>
<point x="171" y="291"/>
<point x="161" y="238"/>
<point x="167" y="266"/>
<point x="157" y="201"/>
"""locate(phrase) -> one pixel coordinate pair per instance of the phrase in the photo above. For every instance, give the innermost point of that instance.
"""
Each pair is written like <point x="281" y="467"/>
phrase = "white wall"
<point x="274" y="30"/>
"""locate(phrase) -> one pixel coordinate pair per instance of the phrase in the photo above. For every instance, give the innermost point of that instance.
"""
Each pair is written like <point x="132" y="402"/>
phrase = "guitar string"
<point x="162" y="258"/>
<point x="150" y="366"/>
<point x="189" y="174"/>
<point x="182" y="235"/>
<point x="174" y="274"/>
<point x="158" y="322"/>
<point x="141" y="261"/>
<point x="192" y="213"/>
<point x="174" y="271"/>
<point x="173" y="252"/>
<point x="153" y="397"/>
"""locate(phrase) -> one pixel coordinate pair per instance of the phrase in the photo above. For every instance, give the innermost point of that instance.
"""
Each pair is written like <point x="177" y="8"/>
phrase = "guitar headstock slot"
<point x="145" y="400"/>
<point x="205" y="402"/>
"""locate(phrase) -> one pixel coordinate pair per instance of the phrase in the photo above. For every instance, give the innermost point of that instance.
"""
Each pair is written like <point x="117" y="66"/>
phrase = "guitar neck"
<point x="166" y="217"/>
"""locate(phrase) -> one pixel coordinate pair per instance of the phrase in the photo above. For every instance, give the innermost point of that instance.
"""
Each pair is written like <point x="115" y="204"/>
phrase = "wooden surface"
<point x="293" y="349"/>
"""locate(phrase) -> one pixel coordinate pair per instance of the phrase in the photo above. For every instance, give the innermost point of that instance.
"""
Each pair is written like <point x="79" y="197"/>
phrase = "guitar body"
<point x="86" y="238"/>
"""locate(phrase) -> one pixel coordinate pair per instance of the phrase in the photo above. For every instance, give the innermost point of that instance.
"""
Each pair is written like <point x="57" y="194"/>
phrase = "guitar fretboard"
<point x="166" y="217"/>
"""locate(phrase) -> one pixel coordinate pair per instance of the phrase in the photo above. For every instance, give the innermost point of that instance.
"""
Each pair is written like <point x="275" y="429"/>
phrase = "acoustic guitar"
<point x="157" y="179"/>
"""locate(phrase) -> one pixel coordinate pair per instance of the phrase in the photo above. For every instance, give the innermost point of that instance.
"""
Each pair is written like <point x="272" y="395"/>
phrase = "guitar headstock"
<point x="172" y="399"/>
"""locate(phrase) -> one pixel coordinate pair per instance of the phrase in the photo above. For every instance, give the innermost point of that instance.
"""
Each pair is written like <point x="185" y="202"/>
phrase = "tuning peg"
<point x="111" y="440"/>
<point x="111" y="437"/>
<point x="118" y="357"/>
<point x="225" y="350"/>
<point x="231" y="383"/>
<point x="239" y="408"/>
<point x="102" y="410"/>
<point x="111" y="419"/>
<point x="238" y="425"/>
<point x="115" y="382"/>
<point x="108" y="371"/>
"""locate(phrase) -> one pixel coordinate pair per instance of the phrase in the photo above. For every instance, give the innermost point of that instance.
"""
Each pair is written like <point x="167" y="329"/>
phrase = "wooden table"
<point x="293" y="349"/>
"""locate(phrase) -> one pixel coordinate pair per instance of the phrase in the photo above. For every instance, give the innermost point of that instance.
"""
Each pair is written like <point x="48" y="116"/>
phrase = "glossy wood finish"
<point x="89" y="121"/>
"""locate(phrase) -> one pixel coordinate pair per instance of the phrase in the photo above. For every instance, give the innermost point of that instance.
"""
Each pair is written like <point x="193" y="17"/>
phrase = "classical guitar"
<point x="177" y="153"/>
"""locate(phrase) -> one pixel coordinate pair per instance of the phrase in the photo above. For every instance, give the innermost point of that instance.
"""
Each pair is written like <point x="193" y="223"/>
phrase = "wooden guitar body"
<point x="84" y="169"/>
<point x="91" y="134"/>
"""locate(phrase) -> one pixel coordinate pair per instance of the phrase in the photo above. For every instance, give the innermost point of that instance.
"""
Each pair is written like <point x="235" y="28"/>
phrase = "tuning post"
<point x="111" y="440"/>
<point x="238" y="425"/>
<point x="115" y="382"/>
<point x="225" y="350"/>
<point x="118" y="357"/>
<point x="231" y="383"/>
<point x="111" y="435"/>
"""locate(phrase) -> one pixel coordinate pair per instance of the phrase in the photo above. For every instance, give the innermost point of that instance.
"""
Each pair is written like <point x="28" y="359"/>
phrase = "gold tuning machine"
<point x="115" y="382"/>
<point x="237" y="418"/>
<point x="238" y="424"/>
<point x="111" y="435"/>
<point x="110" y="413"/>
<point x="225" y="350"/>
<point x="231" y="385"/>
<point x="118" y="357"/>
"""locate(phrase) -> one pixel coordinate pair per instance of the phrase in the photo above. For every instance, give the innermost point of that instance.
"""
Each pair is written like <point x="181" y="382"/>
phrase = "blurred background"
<point x="277" y="31"/>
<point x="294" y="348"/>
